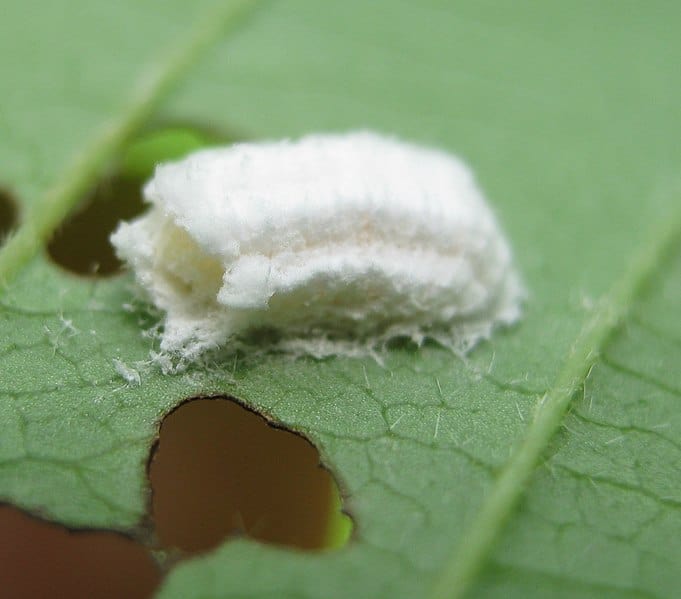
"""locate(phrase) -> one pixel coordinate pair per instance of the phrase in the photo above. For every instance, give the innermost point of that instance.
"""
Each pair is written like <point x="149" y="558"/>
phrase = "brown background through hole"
<point x="8" y="214"/>
<point x="81" y="245"/>
<point x="221" y="470"/>
<point x="39" y="560"/>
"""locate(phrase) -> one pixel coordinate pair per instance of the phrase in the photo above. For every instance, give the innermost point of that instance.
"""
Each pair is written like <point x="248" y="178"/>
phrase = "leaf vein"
<point x="461" y="569"/>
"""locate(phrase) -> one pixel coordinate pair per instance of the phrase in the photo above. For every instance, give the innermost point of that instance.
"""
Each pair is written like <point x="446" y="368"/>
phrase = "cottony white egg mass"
<point x="337" y="242"/>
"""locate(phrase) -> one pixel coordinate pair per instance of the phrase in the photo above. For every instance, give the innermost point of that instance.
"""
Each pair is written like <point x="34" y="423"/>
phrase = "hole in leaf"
<point x="8" y="215"/>
<point x="39" y="559"/>
<point x="82" y="244"/>
<point x="170" y="143"/>
<point x="221" y="470"/>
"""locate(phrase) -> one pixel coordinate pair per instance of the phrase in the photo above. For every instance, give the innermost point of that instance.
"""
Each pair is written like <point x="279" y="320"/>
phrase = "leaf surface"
<point x="565" y="113"/>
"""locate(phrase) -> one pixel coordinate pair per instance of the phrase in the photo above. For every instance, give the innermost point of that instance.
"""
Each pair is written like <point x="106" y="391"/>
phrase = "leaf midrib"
<point x="476" y="544"/>
<point x="153" y="84"/>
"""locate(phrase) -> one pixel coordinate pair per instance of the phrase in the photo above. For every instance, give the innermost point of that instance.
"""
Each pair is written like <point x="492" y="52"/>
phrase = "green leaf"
<point x="546" y="464"/>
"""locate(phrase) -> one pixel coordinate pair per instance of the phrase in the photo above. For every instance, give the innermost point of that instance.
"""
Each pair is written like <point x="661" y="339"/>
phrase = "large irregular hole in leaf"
<point x="81" y="245"/>
<point x="8" y="215"/>
<point x="39" y="559"/>
<point x="221" y="470"/>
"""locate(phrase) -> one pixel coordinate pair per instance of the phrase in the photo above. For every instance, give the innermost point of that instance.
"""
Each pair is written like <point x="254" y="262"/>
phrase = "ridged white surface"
<point x="336" y="241"/>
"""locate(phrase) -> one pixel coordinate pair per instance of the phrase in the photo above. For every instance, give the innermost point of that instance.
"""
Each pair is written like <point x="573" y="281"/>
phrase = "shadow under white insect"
<point x="339" y="242"/>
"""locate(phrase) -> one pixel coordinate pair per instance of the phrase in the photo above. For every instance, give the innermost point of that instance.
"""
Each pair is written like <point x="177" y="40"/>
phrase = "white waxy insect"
<point x="335" y="241"/>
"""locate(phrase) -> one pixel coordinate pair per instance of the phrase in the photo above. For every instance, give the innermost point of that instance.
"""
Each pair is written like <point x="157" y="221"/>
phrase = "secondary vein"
<point x="476" y="544"/>
<point x="152" y="85"/>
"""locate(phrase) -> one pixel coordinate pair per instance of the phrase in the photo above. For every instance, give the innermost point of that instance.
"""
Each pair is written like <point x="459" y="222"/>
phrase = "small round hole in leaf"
<point x="8" y="215"/>
<point x="221" y="470"/>
<point x="82" y="244"/>
<point x="39" y="559"/>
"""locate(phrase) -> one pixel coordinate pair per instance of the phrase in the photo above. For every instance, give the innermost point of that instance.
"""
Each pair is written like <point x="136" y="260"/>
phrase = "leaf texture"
<point x="565" y="113"/>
